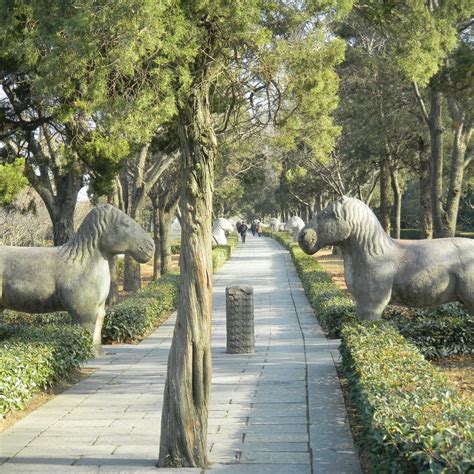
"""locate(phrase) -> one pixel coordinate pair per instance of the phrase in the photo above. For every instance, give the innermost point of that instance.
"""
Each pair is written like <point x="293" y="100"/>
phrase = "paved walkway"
<point x="279" y="410"/>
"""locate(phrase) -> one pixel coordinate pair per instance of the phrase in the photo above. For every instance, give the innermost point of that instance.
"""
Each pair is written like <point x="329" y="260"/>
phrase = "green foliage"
<point x="420" y="35"/>
<point x="412" y="420"/>
<point x="12" y="180"/>
<point x="436" y="332"/>
<point x="33" y="357"/>
<point x="136" y="316"/>
<point x="221" y="253"/>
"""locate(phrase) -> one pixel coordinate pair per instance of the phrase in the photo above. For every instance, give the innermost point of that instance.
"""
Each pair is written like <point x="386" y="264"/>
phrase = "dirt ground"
<point x="458" y="369"/>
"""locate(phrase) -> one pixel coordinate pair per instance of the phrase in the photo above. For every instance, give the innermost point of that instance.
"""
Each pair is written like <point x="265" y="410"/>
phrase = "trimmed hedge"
<point x="412" y="420"/>
<point x="136" y="316"/>
<point x="34" y="357"/>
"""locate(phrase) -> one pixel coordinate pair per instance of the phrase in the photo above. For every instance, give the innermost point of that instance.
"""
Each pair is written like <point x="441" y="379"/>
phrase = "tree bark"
<point x="156" y="238"/>
<point x="183" y="440"/>
<point x="397" y="200"/>
<point x="165" y="218"/>
<point x="437" y="161"/>
<point x="426" y="215"/>
<point x="385" y="204"/>
<point x="461" y="136"/>
<point x="114" y="287"/>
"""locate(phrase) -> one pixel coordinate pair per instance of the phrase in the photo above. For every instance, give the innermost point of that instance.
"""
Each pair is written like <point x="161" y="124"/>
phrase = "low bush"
<point x="412" y="420"/>
<point x="136" y="316"/>
<point x="437" y="332"/>
<point x="221" y="253"/>
<point x="34" y="357"/>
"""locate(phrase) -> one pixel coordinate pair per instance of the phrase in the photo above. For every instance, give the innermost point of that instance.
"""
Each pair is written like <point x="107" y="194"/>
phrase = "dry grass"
<point x="460" y="372"/>
<point x="334" y="265"/>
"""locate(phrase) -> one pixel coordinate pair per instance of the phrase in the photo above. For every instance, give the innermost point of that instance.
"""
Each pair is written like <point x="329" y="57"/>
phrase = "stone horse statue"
<point x="220" y="229"/>
<point x="274" y="224"/>
<point x="379" y="269"/>
<point x="294" y="225"/>
<point x="74" y="277"/>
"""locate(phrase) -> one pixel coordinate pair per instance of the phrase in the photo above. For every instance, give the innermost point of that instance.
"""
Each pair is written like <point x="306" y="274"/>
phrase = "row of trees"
<point x="229" y="107"/>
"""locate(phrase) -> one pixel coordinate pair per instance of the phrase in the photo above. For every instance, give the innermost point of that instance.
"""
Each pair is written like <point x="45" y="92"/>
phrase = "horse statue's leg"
<point x="92" y="320"/>
<point x="371" y="300"/>
<point x="97" y="334"/>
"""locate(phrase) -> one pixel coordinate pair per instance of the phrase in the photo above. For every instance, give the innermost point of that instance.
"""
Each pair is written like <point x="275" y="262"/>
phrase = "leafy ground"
<point x="458" y="369"/>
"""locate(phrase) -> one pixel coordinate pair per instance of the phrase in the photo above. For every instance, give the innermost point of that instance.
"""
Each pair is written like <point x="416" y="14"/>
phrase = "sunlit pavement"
<point x="278" y="410"/>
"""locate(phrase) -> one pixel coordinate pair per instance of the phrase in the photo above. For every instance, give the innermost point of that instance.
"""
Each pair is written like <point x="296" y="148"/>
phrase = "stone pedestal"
<point x="239" y="319"/>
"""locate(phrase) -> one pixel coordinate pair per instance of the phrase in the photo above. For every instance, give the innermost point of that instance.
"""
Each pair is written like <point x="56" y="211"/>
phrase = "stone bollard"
<point x="239" y="319"/>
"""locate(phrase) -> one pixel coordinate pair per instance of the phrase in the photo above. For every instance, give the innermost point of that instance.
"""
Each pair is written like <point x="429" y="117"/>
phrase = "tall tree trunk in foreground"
<point x="183" y="440"/>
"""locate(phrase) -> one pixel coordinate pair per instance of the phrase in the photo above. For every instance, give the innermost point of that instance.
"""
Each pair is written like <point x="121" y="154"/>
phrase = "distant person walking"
<point x="243" y="231"/>
<point x="259" y="229"/>
<point x="253" y="227"/>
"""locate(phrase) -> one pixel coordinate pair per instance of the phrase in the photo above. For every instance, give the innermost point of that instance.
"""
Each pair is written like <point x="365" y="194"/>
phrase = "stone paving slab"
<point x="278" y="411"/>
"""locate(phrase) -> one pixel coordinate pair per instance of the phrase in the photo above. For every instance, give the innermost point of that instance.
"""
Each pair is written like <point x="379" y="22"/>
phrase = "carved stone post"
<point x="240" y="320"/>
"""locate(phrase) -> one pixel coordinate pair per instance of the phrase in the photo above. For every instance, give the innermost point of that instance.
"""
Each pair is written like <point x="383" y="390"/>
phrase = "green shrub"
<point x="136" y="316"/>
<point x="437" y="332"/>
<point x="36" y="319"/>
<point x="221" y="253"/>
<point x="411" y="420"/>
<point x="176" y="247"/>
<point x="37" y="356"/>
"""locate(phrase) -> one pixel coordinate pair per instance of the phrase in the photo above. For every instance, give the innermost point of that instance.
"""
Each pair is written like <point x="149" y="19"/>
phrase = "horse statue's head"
<point x="343" y="219"/>
<point x="112" y="232"/>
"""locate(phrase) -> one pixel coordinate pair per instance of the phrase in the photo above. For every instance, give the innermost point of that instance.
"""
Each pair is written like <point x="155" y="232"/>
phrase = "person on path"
<point x="253" y="227"/>
<point x="259" y="229"/>
<point x="243" y="231"/>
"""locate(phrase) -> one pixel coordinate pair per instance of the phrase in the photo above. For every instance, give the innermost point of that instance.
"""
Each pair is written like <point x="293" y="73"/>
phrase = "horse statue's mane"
<point x="87" y="236"/>
<point x="364" y="224"/>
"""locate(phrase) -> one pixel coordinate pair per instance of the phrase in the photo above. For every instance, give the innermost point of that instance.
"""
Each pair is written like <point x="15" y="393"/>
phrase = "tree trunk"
<point x="156" y="239"/>
<point x="397" y="200"/>
<point x="114" y="287"/>
<point x="385" y="195"/>
<point x="461" y="136"/>
<point x="437" y="157"/>
<point x="183" y="439"/>
<point x="131" y="274"/>
<point x="426" y="215"/>
<point x="166" y="217"/>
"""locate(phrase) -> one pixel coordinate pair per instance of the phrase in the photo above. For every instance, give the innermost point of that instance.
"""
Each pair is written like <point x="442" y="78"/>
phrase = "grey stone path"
<point x="279" y="410"/>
